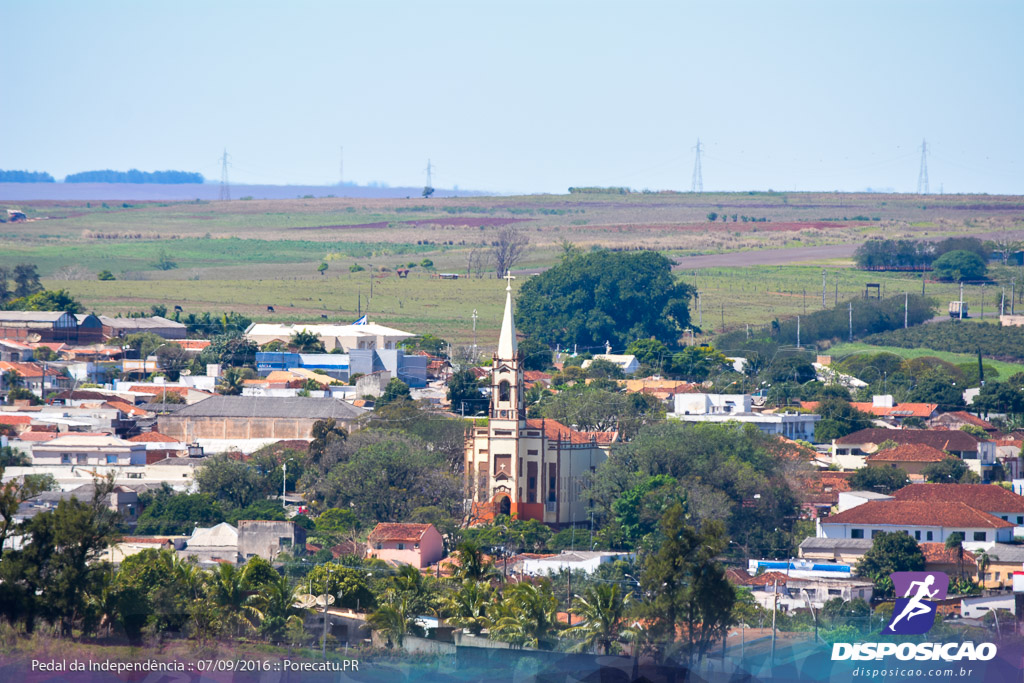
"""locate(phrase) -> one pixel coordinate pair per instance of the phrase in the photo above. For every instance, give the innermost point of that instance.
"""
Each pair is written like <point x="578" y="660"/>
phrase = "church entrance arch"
<point x="505" y="506"/>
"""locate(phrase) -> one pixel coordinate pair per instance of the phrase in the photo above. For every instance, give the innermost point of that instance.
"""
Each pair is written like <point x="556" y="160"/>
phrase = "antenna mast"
<point x="922" y="177"/>
<point x="225" y="187"/>
<point x="698" y="181"/>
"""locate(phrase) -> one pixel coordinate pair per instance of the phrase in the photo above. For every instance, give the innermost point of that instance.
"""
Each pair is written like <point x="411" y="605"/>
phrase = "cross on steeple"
<point x="510" y="277"/>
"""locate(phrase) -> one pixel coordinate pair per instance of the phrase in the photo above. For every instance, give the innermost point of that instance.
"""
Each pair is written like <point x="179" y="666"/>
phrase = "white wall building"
<point x="722" y="408"/>
<point x="578" y="560"/>
<point x="73" y="449"/>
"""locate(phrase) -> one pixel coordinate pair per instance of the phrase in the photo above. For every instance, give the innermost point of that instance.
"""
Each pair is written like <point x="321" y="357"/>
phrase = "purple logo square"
<point x="917" y="594"/>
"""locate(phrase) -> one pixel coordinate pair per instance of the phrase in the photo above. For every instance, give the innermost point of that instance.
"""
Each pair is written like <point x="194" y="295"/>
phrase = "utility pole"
<point x="837" y="288"/>
<point x="698" y="181"/>
<point x="700" y="311"/>
<point x="723" y="316"/>
<point x="822" y="289"/>
<point x="430" y="167"/>
<point x="225" y="188"/>
<point x="775" y="603"/>
<point x="474" y="316"/>
<point x="906" y="307"/>
<point x="961" y="300"/>
<point x="922" y="176"/>
<point x="982" y="313"/>
<point x="798" y="332"/>
<point x="851" y="320"/>
<point x="1013" y="284"/>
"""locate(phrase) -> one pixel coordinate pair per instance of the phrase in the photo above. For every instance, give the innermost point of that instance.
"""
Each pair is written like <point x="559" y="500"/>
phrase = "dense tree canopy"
<point x="890" y="552"/>
<point x="959" y="265"/>
<point x="601" y="296"/>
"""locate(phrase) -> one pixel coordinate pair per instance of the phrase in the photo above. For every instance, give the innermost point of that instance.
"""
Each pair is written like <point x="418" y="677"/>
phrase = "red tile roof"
<point x="937" y="553"/>
<point x="909" y="452"/>
<point x="389" y="531"/>
<point x="556" y="431"/>
<point x="918" y="513"/>
<point x="967" y="418"/>
<point x="126" y="408"/>
<point x="27" y="369"/>
<point x="15" y="420"/>
<point x="768" y="578"/>
<point x="900" y="410"/>
<point x="153" y="437"/>
<point x="193" y="344"/>
<point x="38" y="436"/>
<point x="156" y="391"/>
<point x="943" y="439"/>
<point x="534" y="375"/>
<point x="984" y="497"/>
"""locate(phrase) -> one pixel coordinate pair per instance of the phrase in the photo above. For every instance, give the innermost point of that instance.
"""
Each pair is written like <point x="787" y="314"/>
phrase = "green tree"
<point x="164" y="261"/>
<point x="536" y="354"/>
<point x="951" y="470"/>
<point x="605" y="295"/>
<point x="322" y="268"/>
<point x="236" y="483"/>
<point x="890" y="552"/>
<point x="955" y="543"/>
<point x="685" y="585"/>
<point x="26" y="280"/>
<point x="233" y="380"/>
<point x="273" y="608"/>
<point x="105" y="275"/>
<point x="305" y="341"/>
<point x="165" y="512"/>
<point x="46" y="300"/>
<point x="348" y="586"/>
<point x="325" y="433"/>
<point x="999" y="397"/>
<point x="526" y="616"/>
<point x="958" y="266"/>
<point x="603" y="609"/>
<point x="396" y="390"/>
<point x="464" y="394"/>
<point x="229" y="594"/>
<point x="879" y="479"/>
<point x="467" y="607"/>
<point x="936" y="387"/>
<point x="839" y="418"/>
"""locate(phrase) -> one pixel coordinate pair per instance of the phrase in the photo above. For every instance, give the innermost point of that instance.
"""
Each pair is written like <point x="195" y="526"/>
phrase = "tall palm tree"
<point x="467" y="607"/>
<point x="231" y="382"/>
<point x="227" y="593"/>
<point x="13" y="380"/>
<point x="602" y="607"/>
<point x="304" y="341"/>
<point x="955" y="542"/>
<point x="472" y="563"/>
<point x="393" y="619"/>
<point x="527" y="615"/>
<point x="274" y="608"/>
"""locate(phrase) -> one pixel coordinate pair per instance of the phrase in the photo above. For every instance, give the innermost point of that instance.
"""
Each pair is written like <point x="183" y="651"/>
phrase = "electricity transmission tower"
<point x="922" y="177"/>
<point x="698" y="181"/>
<point x="225" y="188"/>
<point x="430" y="167"/>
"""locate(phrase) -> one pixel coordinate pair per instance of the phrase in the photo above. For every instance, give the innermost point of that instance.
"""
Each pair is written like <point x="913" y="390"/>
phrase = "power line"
<point x="922" y="177"/>
<point x="698" y="180"/>
<point x="225" y="188"/>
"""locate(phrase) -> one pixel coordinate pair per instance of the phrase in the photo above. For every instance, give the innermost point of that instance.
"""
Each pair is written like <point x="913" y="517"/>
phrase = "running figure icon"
<point x="914" y="606"/>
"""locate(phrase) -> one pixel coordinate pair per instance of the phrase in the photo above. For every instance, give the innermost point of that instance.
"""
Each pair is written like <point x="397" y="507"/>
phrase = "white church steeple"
<point x="507" y="346"/>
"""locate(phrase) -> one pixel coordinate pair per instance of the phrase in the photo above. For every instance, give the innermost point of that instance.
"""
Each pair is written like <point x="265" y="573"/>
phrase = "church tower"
<point x="507" y="372"/>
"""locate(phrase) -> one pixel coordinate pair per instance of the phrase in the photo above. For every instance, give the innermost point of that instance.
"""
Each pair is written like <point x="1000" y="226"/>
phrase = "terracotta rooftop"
<point x="943" y="439"/>
<point x="126" y="408"/>
<point x="937" y="553"/>
<point x="556" y="431"/>
<point x="900" y="410"/>
<point x="389" y="531"/>
<point x="27" y="369"/>
<point x="909" y="452"/>
<point x="768" y="578"/>
<point x="918" y="513"/>
<point x="15" y="419"/>
<point x="152" y="437"/>
<point x="985" y="497"/>
<point x="967" y="418"/>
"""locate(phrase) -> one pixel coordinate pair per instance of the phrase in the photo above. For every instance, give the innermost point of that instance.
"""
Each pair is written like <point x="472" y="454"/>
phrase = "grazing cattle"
<point x="178" y="309"/>
<point x="324" y="316"/>
<point x="270" y="309"/>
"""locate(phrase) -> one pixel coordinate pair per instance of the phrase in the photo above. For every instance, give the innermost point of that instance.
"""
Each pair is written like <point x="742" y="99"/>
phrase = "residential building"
<point x="244" y="417"/>
<point x="840" y="550"/>
<point x="924" y="521"/>
<point x="851" y="499"/>
<point x="535" y="469"/>
<point x="410" y="368"/>
<point x="586" y="561"/>
<point x="15" y="352"/>
<point x="212" y="545"/>
<point x="978" y="454"/>
<point x="50" y="326"/>
<point x="990" y="498"/>
<point x="1003" y="560"/>
<point x="159" y="446"/>
<point x="912" y="458"/>
<point x="958" y="419"/>
<point x="114" y="328"/>
<point x="721" y="408"/>
<point x="417" y="544"/>
<point x="343" y="337"/>
<point x="626" y="362"/>
<point x="939" y="558"/>
<point x="38" y="378"/>
<point x="268" y="539"/>
<point x="88" y="450"/>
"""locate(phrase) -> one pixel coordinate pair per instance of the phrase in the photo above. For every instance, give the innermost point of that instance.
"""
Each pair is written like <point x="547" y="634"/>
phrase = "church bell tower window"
<point x="504" y="391"/>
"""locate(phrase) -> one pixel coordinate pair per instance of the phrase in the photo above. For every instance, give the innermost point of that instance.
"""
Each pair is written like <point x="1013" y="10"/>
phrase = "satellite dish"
<point x="186" y="372"/>
<point x="320" y="600"/>
<point x="33" y="338"/>
<point x="305" y="601"/>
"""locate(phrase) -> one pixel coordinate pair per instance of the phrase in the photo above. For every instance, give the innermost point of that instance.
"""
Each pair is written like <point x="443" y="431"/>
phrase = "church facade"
<point x="530" y="468"/>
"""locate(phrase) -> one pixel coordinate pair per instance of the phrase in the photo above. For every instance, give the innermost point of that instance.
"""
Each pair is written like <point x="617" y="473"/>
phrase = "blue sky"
<point x="521" y="96"/>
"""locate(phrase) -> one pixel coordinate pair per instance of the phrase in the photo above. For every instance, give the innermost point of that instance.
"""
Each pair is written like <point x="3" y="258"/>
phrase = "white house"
<point x="737" y="408"/>
<point x="90" y="450"/>
<point x="574" y="560"/>
<point x="627" y="363"/>
<point x="929" y="521"/>
<point x="345" y="337"/>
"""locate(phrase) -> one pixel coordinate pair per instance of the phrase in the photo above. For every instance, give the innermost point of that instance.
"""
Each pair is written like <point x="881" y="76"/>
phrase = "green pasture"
<point x="840" y="351"/>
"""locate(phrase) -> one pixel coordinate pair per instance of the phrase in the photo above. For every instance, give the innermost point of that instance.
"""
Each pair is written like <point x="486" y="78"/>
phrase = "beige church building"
<point x="530" y="468"/>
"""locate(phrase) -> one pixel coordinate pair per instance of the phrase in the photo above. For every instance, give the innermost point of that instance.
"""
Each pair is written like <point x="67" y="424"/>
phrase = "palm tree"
<point x="392" y="619"/>
<point x="984" y="560"/>
<point x="602" y="607"/>
<point x="527" y="615"/>
<point x="467" y="607"/>
<point x="231" y="382"/>
<point x="304" y="341"/>
<point x="13" y="380"/>
<point x="227" y="593"/>
<point x="274" y="608"/>
<point x="472" y="564"/>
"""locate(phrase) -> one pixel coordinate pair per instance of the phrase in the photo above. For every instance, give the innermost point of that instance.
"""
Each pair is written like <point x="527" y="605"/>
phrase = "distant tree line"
<point x="912" y="254"/>
<point x="870" y="316"/>
<point x="134" y="176"/>
<point x="993" y="341"/>
<point x="25" y="177"/>
<point x="599" y="190"/>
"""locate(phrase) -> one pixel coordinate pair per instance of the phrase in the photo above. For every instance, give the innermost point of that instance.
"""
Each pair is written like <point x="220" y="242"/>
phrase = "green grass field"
<point x="840" y="351"/>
